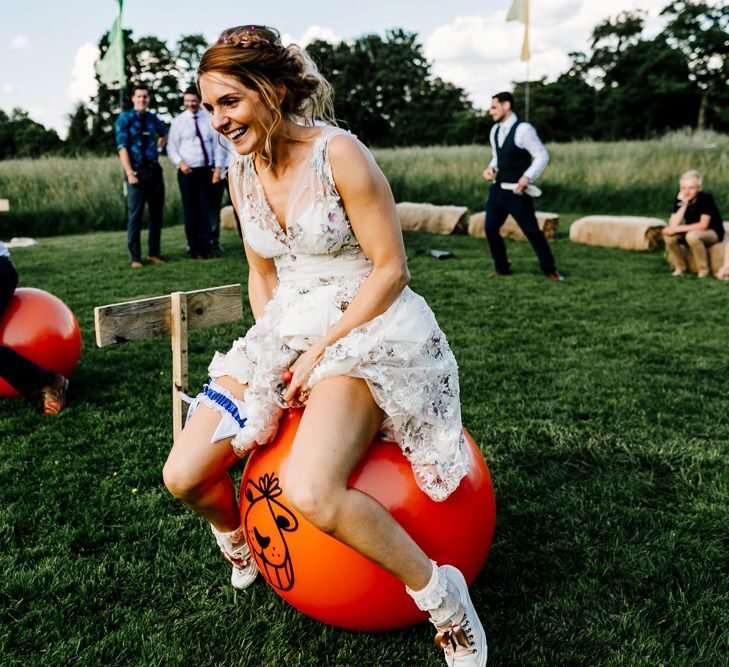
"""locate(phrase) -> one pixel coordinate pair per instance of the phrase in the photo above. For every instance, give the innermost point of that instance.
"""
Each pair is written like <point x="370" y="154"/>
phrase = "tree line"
<point x="626" y="86"/>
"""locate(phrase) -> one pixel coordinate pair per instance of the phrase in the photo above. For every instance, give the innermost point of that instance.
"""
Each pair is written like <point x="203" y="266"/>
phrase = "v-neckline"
<point x="282" y="228"/>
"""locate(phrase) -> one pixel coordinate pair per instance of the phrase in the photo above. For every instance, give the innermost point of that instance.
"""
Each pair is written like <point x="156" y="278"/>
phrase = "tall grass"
<point x="52" y="196"/>
<point x="622" y="178"/>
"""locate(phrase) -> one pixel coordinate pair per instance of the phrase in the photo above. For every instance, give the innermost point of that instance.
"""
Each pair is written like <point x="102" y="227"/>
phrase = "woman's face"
<point x="237" y="112"/>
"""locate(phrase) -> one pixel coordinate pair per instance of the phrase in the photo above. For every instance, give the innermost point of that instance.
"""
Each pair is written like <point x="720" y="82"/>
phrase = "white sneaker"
<point x="245" y="569"/>
<point x="463" y="639"/>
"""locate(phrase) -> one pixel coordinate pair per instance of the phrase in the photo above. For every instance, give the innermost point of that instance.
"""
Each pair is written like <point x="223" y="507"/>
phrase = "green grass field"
<point x="600" y="405"/>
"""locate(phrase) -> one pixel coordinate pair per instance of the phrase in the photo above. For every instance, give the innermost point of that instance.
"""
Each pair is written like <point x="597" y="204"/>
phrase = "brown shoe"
<point x="54" y="396"/>
<point x="155" y="260"/>
<point x="136" y="265"/>
<point x="556" y="276"/>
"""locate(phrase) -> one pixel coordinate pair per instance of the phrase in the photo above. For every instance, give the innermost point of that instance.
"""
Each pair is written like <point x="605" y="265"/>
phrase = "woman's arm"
<point x="262" y="276"/>
<point x="371" y="211"/>
<point x="262" y="281"/>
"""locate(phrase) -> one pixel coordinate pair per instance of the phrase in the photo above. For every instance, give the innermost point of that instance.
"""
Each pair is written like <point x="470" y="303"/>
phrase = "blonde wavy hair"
<point x="255" y="56"/>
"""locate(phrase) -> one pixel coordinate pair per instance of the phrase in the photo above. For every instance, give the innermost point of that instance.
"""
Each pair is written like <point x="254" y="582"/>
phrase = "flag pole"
<point x="526" y="94"/>
<point x="123" y="82"/>
<point x="529" y="56"/>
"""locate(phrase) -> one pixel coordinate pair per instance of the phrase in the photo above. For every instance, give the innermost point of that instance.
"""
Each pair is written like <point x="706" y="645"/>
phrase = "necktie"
<point x="202" y="141"/>
<point x="144" y="137"/>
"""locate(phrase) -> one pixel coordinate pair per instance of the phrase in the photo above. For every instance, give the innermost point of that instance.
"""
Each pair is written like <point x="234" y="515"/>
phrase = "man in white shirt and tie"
<point x="191" y="148"/>
<point x="519" y="157"/>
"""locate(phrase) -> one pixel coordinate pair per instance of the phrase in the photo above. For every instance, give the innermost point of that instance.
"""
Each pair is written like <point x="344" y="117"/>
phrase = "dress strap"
<point x="320" y="160"/>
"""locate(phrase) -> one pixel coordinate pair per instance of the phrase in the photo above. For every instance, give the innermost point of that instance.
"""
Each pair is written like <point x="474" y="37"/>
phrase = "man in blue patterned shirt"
<point x="140" y="134"/>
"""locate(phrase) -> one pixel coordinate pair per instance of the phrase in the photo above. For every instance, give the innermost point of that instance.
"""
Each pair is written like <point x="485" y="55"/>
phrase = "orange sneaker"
<point x="54" y="396"/>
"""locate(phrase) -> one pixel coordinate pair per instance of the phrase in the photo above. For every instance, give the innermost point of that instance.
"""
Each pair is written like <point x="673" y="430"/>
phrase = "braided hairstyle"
<point x="255" y="56"/>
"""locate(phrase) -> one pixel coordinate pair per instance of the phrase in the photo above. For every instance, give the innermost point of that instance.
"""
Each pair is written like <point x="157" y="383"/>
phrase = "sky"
<point x="47" y="47"/>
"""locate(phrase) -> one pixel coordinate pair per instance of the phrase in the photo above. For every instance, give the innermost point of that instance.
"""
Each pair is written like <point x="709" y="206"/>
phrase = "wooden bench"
<point x="170" y="315"/>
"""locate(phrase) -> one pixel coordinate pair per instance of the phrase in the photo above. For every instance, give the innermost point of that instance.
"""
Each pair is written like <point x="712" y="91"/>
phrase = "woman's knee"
<point x="181" y="478"/>
<point x="312" y="500"/>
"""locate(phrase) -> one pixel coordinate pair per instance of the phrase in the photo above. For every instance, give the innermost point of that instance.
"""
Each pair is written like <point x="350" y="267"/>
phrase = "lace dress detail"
<point x="402" y="353"/>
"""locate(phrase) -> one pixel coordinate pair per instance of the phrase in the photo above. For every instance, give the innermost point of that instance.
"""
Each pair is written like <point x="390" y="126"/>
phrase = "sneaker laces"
<point x="456" y="639"/>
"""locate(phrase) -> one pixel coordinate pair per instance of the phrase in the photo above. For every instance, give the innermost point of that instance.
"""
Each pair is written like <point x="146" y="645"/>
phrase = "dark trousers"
<point x="217" y="190"/>
<point x="20" y="373"/>
<point x="195" y="195"/>
<point x="499" y="205"/>
<point x="151" y="191"/>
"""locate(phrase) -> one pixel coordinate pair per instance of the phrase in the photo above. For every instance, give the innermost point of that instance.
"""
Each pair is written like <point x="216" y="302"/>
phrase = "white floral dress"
<point x="402" y="353"/>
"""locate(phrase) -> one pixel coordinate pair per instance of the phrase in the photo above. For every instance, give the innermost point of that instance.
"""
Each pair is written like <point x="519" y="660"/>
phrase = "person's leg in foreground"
<point x="338" y="425"/>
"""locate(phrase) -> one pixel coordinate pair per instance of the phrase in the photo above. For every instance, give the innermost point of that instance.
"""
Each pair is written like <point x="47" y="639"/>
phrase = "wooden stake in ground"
<point x="170" y="315"/>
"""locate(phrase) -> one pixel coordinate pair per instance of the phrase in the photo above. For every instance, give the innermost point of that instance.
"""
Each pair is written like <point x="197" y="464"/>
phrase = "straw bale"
<point x="715" y="253"/>
<point x="432" y="218"/>
<point x="227" y="217"/>
<point x="626" y="232"/>
<point x="548" y="223"/>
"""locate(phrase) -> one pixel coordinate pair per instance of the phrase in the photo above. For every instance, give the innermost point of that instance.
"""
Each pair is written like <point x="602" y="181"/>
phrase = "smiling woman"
<point x="337" y="331"/>
<point x="285" y="78"/>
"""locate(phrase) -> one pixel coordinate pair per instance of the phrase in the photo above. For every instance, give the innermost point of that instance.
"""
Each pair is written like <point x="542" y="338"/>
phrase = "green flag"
<point x="110" y="68"/>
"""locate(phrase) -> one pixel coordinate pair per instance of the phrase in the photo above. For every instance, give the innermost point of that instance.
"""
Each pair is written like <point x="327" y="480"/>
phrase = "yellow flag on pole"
<point x="519" y="11"/>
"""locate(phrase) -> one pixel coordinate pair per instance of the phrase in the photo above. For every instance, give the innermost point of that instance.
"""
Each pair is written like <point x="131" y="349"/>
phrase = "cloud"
<point x="19" y="42"/>
<point x="311" y="34"/>
<point x="83" y="85"/>
<point x="7" y="88"/>
<point x="481" y="53"/>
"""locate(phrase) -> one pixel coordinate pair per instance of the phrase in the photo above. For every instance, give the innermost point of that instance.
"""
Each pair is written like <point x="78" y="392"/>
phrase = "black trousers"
<point x="499" y="205"/>
<point x="20" y="373"/>
<point x="195" y="194"/>
<point x="217" y="191"/>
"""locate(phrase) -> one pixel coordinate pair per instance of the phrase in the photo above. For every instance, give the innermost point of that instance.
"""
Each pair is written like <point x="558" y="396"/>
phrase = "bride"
<point x="336" y="329"/>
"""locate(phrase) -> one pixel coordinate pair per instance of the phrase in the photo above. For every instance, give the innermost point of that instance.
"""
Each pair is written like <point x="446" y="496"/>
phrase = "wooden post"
<point x="171" y="315"/>
<point x="178" y="332"/>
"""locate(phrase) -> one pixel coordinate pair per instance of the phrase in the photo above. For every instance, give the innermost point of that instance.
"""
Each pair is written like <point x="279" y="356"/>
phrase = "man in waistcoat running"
<point x="519" y="157"/>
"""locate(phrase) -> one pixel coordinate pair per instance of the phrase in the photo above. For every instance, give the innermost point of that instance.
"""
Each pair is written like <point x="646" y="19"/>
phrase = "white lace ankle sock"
<point x="438" y="598"/>
<point x="230" y="542"/>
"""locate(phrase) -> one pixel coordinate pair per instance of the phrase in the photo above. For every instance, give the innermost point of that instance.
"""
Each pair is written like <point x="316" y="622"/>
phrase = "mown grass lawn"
<point x="600" y="405"/>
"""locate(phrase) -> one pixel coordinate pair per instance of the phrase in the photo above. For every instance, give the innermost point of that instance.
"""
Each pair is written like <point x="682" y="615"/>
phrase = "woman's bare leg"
<point x="196" y="471"/>
<point x="339" y="422"/>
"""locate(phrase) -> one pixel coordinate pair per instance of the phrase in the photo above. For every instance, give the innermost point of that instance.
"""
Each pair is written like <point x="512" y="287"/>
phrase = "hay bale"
<point x="548" y="223"/>
<point x="626" y="232"/>
<point x="431" y="218"/>
<point x="227" y="218"/>
<point x="715" y="253"/>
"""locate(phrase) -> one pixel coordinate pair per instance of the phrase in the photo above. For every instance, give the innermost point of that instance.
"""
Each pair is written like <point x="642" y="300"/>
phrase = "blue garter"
<point x="225" y="403"/>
